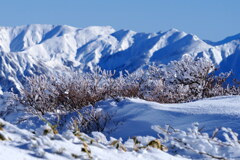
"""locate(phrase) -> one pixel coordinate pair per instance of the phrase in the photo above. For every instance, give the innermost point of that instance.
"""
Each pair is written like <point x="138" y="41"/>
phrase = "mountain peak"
<point x="173" y="30"/>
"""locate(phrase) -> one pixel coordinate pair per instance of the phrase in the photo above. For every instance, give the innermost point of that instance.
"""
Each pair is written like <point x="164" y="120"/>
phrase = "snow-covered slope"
<point x="210" y="113"/>
<point x="132" y="118"/>
<point x="217" y="116"/>
<point x="36" y="49"/>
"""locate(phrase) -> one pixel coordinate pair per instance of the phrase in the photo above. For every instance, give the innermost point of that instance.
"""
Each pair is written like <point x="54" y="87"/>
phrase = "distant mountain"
<point x="36" y="49"/>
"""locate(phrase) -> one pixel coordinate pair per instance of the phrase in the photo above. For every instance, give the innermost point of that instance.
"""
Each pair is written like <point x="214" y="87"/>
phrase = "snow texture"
<point x="22" y="144"/>
<point x="134" y="118"/>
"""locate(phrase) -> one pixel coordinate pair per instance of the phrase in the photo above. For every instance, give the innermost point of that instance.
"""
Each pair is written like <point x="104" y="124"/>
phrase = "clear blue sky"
<point x="209" y="19"/>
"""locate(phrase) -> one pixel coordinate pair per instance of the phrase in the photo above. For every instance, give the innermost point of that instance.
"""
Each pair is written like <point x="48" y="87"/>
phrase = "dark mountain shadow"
<point x="17" y="43"/>
<point x="173" y="51"/>
<point x="131" y="58"/>
<point x="231" y="63"/>
<point x="51" y="34"/>
<point x="119" y="35"/>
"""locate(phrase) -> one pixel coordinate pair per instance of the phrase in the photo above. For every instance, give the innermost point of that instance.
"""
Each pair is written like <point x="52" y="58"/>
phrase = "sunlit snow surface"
<point x="24" y="145"/>
<point x="138" y="116"/>
<point x="135" y="117"/>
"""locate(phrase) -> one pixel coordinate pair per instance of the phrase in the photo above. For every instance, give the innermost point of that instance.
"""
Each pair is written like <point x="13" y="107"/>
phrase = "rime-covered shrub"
<point x="66" y="93"/>
<point x="89" y="119"/>
<point x="186" y="80"/>
<point x="180" y="81"/>
<point x="73" y="92"/>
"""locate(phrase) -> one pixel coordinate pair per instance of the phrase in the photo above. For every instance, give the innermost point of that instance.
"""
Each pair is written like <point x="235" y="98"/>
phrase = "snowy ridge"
<point x="36" y="49"/>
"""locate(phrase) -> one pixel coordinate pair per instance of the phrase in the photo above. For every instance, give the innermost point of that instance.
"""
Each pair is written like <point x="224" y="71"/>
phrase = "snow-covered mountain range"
<point x="36" y="49"/>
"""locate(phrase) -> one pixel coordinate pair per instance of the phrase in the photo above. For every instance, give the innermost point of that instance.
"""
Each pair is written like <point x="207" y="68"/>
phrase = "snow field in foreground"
<point x="173" y="124"/>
